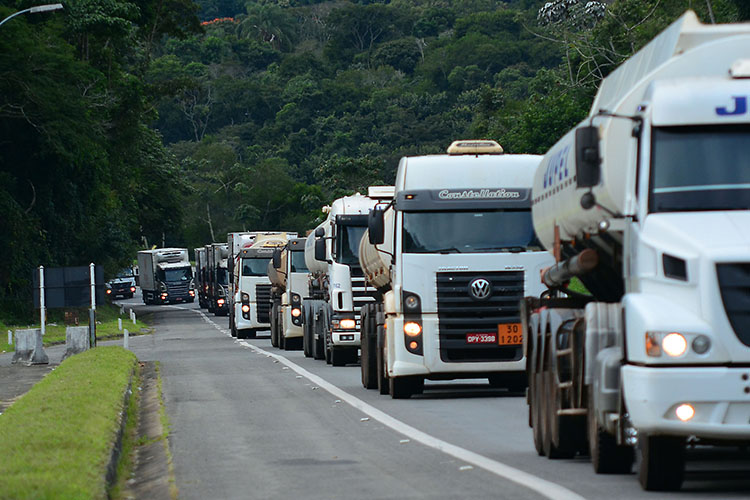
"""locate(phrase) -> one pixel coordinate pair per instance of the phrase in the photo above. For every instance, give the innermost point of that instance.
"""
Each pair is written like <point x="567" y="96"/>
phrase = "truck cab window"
<point x="298" y="262"/>
<point x="347" y="244"/>
<point x="469" y="232"/>
<point x="174" y="275"/>
<point x="681" y="179"/>
<point x="255" y="267"/>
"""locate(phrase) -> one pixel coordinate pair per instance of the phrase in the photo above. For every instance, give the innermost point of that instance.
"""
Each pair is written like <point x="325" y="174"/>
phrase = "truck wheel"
<point x="383" y="386"/>
<point x="293" y="344"/>
<point x="318" y="343"/>
<point x="405" y="387"/>
<point x="557" y="438"/>
<point x="339" y="357"/>
<point x="328" y="349"/>
<point x="606" y="456"/>
<point x="369" y="349"/>
<point x="537" y="422"/>
<point x="661" y="462"/>
<point x="306" y="335"/>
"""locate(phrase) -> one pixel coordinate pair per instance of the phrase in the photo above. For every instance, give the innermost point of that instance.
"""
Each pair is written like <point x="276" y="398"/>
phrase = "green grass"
<point x="106" y="327"/>
<point x="57" y="439"/>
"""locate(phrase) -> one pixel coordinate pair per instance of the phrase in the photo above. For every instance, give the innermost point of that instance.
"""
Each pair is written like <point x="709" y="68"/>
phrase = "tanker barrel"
<point x="557" y="275"/>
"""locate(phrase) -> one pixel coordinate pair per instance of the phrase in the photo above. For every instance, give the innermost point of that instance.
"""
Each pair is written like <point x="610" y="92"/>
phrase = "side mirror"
<point x="320" y="232"/>
<point x="320" y="250"/>
<point x="276" y="259"/>
<point x="376" y="226"/>
<point x="588" y="163"/>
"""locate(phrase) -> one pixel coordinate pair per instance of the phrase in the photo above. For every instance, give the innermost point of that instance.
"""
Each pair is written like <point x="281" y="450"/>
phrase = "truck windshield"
<point x="347" y="244"/>
<point x="700" y="168"/>
<point x="125" y="273"/>
<point x="221" y="276"/>
<point x="298" y="262"/>
<point x="175" y="275"/>
<point x="255" y="266"/>
<point x="469" y="232"/>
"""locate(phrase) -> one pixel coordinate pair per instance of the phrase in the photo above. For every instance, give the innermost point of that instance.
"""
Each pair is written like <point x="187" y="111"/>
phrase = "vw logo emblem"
<point x="480" y="289"/>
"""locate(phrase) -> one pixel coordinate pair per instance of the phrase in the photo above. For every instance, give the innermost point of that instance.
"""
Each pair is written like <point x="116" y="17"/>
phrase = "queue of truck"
<point x="462" y="269"/>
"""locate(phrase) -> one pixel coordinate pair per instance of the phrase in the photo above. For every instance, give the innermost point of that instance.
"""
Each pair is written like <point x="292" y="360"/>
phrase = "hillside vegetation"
<point x="136" y="123"/>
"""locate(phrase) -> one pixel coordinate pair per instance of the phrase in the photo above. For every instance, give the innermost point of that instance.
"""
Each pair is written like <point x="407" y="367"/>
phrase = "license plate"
<point x="481" y="338"/>
<point x="509" y="334"/>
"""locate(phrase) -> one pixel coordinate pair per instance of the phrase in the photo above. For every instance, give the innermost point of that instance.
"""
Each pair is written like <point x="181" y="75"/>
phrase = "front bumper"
<point x="402" y="363"/>
<point x="720" y="396"/>
<point x="345" y="338"/>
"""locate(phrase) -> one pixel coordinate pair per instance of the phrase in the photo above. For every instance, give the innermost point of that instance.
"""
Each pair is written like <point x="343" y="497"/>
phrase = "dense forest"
<point x="131" y="123"/>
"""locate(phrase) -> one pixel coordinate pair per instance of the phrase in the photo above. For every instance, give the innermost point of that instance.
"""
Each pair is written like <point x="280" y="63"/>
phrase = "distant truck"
<point x="122" y="285"/>
<point x="289" y="287"/>
<point x="451" y="259"/>
<point x="166" y="276"/>
<point x="251" y="290"/>
<point x="201" y="270"/>
<point x="217" y="278"/>
<point x="646" y="201"/>
<point x="337" y="284"/>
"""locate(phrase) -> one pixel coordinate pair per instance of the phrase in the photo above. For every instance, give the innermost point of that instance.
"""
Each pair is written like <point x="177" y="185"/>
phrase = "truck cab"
<point x="452" y="257"/>
<point x="289" y="278"/>
<point x="252" y="291"/>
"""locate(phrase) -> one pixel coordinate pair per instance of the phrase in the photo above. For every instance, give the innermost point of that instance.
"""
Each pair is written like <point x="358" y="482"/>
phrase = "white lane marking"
<point x="545" y="488"/>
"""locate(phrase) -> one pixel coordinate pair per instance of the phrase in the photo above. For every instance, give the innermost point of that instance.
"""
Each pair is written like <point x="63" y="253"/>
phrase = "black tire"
<point x="556" y="440"/>
<point x="339" y="356"/>
<point x="369" y="348"/>
<point x="661" y="464"/>
<point x="606" y="456"/>
<point x="318" y="343"/>
<point x="536" y="407"/>
<point x="382" y="377"/>
<point x="273" y="317"/>
<point x="232" y="328"/>
<point x="241" y="334"/>
<point x="514" y="382"/>
<point x="306" y="332"/>
<point x="293" y="344"/>
<point x="405" y="387"/>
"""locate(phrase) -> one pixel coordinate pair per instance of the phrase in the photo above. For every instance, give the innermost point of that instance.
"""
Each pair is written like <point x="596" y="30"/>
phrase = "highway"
<point x="250" y="421"/>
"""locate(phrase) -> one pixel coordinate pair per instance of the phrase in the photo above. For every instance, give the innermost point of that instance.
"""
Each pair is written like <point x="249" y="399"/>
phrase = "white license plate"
<point x="481" y="338"/>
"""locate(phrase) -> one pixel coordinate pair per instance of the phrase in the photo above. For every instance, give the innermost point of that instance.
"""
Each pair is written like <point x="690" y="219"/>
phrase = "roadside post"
<point x="92" y="311"/>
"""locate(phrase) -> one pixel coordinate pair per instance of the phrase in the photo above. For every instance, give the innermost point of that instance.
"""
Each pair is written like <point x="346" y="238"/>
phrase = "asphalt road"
<point x="249" y="421"/>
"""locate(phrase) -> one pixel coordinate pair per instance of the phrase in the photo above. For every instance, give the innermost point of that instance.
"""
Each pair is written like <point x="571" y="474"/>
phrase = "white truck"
<point x="166" y="276"/>
<point x="289" y="286"/>
<point x="337" y="284"/>
<point x="251" y="306"/>
<point x="217" y="278"/>
<point x="201" y="285"/>
<point x="647" y="202"/>
<point x="451" y="257"/>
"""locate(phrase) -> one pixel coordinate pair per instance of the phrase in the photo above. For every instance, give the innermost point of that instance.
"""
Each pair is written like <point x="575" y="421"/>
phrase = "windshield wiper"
<point x="447" y="250"/>
<point x="512" y="249"/>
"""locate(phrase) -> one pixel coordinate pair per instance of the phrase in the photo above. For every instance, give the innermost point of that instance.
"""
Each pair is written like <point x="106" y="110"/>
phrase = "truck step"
<point x="564" y="352"/>
<point x="565" y="385"/>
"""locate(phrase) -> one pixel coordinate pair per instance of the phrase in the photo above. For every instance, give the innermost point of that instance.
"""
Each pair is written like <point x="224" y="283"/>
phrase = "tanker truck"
<point x="646" y="201"/>
<point x="289" y="285"/>
<point x="217" y="278"/>
<point x="337" y="285"/>
<point x="201" y="286"/>
<point x="252" y="288"/>
<point x="451" y="258"/>
<point x="166" y="276"/>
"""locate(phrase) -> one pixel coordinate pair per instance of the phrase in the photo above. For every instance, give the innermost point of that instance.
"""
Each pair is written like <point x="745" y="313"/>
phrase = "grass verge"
<point x="57" y="439"/>
<point x="106" y="327"/>
<point x="126" y="463"/>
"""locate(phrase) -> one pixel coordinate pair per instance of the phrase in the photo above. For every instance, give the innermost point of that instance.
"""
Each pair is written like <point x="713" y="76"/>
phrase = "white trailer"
<point x="337" y="284"/>
<point x="451" y="258"/>
<point x="647" y="202"/>
<point x="166" y="276"/>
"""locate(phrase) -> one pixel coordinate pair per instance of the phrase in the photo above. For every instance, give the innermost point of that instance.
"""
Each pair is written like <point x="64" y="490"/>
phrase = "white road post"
<point x="126" y="339"/>
<point x="42" y="310"/>
<point x="92" y="312"/>
<point x="132" y="316"/>
<point x="119" y="324"/>
<point x="10" y="337"/>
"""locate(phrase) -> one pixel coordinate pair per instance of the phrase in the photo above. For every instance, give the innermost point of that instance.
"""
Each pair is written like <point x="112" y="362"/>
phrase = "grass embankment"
<point x="57" y="439"/>
<point x="106" y="326"/>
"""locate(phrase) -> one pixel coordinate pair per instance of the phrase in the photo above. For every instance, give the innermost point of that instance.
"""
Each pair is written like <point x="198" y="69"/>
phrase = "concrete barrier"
<point x="30" y="348"/>
<point x="76" y="340"/>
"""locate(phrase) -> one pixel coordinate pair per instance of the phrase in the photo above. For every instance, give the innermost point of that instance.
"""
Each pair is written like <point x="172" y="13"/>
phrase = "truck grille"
<point x="734" y="283"/>
<point x="263" y="302"/>
<point x="361" y="293"/>
<point x="178" y="291"/>
<point x="459" y="313"/>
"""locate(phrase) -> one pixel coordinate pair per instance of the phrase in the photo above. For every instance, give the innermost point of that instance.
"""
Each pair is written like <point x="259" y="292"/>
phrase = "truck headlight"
<point x="411" y="302"/>
<point x="296" y="312"/>
<point x="672" y="344"/>
<point x="348" y="324"/>
<point x="412" y="328"/>
<point x="245" y="308"/>
<point x="685" y="412"/>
